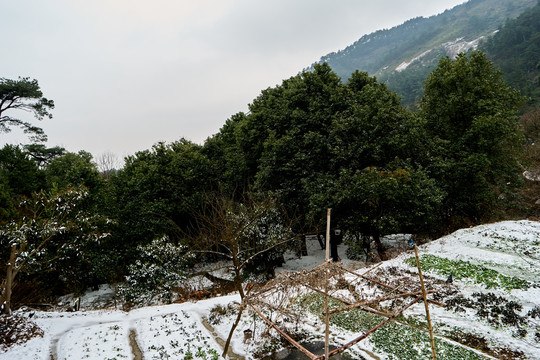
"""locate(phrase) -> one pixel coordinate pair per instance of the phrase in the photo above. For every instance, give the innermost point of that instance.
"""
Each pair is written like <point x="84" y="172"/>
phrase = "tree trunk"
<point x="229" y="338"/>
<point x="379" y="245"/>
<point x="302" y="251"/>
<point x="8" y="283"/>
<point x="238" y="284"/>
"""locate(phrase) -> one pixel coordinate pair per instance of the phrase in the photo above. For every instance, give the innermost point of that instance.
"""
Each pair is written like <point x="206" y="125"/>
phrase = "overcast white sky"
<point x="125" y="74"/>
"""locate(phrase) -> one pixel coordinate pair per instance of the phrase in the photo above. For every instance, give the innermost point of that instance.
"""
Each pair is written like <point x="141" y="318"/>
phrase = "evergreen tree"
<point x="49" y="230"/>
<point x="159" y="190"/>
<point x="23" y="94"/>
<point x="471" y="113"/>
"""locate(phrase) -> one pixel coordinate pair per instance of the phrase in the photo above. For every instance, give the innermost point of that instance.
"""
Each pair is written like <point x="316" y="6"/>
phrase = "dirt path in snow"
<point x="135" y="349"/>
<point x="369" y="353"/>
<point x="54" y="343"/>
<point x="221" y="342"/>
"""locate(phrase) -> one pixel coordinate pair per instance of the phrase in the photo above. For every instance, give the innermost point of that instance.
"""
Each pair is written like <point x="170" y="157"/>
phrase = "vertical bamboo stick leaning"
<point x="424" y="294"/>
<point x="326" y="312"/>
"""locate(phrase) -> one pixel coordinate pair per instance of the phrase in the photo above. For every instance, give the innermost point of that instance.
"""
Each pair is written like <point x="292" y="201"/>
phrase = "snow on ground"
<point x="162" y="332"/>
<point x="316" y="256"/>
<point x="406" y="64"/>
<point x="184" y="331"/>
<point x="511" y="248"/>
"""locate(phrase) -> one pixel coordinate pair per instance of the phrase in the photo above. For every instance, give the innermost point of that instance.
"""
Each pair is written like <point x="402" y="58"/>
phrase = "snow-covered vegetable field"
<point x="493" y="311"/>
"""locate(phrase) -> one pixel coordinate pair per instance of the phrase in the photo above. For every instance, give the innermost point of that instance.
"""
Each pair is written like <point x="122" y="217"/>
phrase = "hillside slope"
<point x="516" y="50"/>
<point x="403" y="56"/>
<point x="493" y="311"/>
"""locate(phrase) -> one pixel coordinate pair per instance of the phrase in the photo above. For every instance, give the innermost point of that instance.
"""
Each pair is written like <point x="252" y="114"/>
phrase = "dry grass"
<point x="16" y="330"/>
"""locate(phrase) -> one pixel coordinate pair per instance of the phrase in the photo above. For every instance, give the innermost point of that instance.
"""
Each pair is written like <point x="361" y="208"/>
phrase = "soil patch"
<point x="135" y="349"/>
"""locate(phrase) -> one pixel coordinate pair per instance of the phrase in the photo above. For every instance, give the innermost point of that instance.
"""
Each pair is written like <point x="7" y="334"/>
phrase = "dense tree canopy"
<point x="305" y="140"/>
<point x="19" y="172"/>
<point x="43" y="155"/>
<point x="315" y="142"/>
<point x="229" y="158"/>
<point x="160" y="190"/>
<point x="379" y="202"/>
<point x="515" y="48"/>
<point x="376" y="184"/>
<point x="471" y="113"/>
<point x="73" y="169"/>
<point x="297" y="118"/>
<point x="310" y="143"/>
<point x="49" y="229"/>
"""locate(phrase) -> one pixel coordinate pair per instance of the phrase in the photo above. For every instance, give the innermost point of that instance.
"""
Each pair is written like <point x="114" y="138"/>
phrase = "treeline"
<point x="314" y="142"/>
<point x="516" y="50"/>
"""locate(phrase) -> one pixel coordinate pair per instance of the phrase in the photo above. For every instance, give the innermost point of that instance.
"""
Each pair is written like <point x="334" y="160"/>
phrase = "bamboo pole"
<point x="358" y="276"/>
<point x="424" y="294"/>
<point x="282" y="333"/>
<point x="326" y="312"/>
<point x="281" y="311"/>
<point x="328" y="235"/>
<point x="390" y="287"/>
<point x="345" y="301"/>
<point x="374" y="311"/>
<point x="366" y="334"/>
<point x="367" y="302"/>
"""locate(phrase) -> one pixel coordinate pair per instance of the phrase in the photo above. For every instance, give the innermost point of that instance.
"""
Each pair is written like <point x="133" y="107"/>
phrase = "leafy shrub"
<point x="355" y="248"/>
<point x="397" y="341"/>
<point x="159" y="270"/>
<point x="465" y="270"/>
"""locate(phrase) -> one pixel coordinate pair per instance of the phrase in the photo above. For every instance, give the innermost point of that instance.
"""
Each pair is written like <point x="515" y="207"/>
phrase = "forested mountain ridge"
<point x="403" y="56"/>
<point x="515" y="49"/>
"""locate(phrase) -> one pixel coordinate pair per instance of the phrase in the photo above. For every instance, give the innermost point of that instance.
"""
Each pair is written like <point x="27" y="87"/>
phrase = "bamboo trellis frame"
<point x="254" y="299"/>
<point x="284" y="334"/>
<point x="391" y="287"/>
<point x="372" y="330"/>
<point x="326" y="267"/>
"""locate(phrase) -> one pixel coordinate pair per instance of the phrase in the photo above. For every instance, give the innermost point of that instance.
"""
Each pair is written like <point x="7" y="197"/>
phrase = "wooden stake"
<point x="282" y="333"/>
<point x="378" y="300"/>
<point x="326" y="316"/>
<point x="366" y="334"/>
<point x="424" y="294"/>
<point x="328" y="235"/>
<point x="326" y="312"/>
